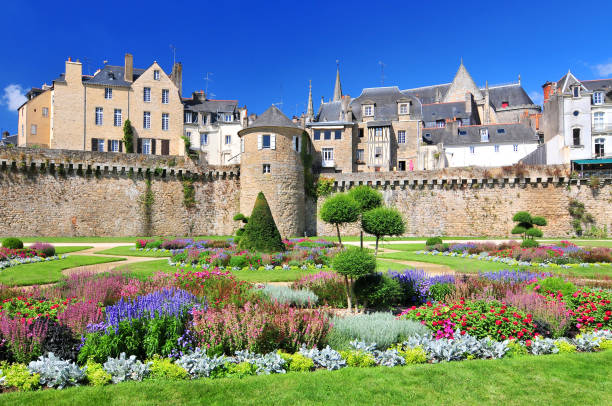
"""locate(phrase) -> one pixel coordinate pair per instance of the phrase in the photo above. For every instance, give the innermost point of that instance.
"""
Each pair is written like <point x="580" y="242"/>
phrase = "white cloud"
<point x="537" y="97"/>
<point x="604" y="69"/>
<point x="13" y="97"/>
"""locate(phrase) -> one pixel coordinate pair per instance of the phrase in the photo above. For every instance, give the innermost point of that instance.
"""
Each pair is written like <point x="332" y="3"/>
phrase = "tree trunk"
<point x="361" y="238"/>
<point x="348" y="293"/>
<point x="339" y="239"/>
<point x="356" y="305"/>
<point x="376" y="251"/>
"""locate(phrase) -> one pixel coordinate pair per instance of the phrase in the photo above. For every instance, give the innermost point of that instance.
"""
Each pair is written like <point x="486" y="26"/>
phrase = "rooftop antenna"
<point x="173" y="48"/>
<point x="87" y="64"/>
<point x="207" y="79"/>
<point x="382" y="73"/>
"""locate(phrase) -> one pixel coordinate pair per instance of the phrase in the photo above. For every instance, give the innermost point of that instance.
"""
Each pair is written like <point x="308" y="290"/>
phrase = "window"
<point x="484" y="135"/>
<point x="361" y="133"/>
<point x="117" y="118"/>
<point x="45" y="112"/>
<point x="401" y="137"/>
<point x="100" y="144"/>
<point x="401" y="165"/>
<point x="204" y="139"/>
<point x="515" y="147"/>
<point x="378" y="152"/>
<point x="441" y="123"/>
<point x="378" y="132"/>
<point x="368" y="111"/>
<point x="146" y="94"/>
<point x="317" y="135"/>
<point x="265" y="141"/>
<point x="165" y="96"/>
<point x="327" y="154"/>
<point x="155" y="75"/>
<point x="501" y="131"/>
<point x="228" y="118"/>
<point x="165" y="121"/>
<point x="266" y="168"/>
<point x="598" y="98"/>
<point x="146" y="120"/>
<point x="472" y="149"/>
<point x="462" y="132"/>
<point x="497" y="148"/>
<point x="598" y="120"/>
<point x="576" y="136"/>
<point x="146" y="146"/>
<point x="33" y="129"/>
<point x="327" y="135"/>
<point x="600" y="147"/>
<point x="296" y="143"/>
<point x="99" y="115"/>
<point x="228" y="139"/>
<point x="403" y="110"/>
<point x="360" y="157"/>
<point x="165" y="147"/>
<point x="337" y="135"/>
<point x="188" y="117"/>
<point x="576" y="91"/>
<point x="114" y="145"/>
<point x="575" y="113"/>
<point x="108" y="93"/>
<point x="505" y="104"/>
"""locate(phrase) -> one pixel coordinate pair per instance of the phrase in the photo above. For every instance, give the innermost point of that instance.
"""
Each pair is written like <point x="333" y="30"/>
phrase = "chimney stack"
<point x="547" y="88"/>
<point x="128" y="74"/>
<point x="177" y="76"/>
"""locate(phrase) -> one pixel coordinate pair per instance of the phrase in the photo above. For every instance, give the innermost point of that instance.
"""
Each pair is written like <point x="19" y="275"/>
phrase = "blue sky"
<point x="264" y="52"/>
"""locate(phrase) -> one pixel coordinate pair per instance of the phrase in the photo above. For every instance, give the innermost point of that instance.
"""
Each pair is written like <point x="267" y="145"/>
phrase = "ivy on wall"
<point x="147" y="199"/>
<point x="306" y="157"/>
<point x="188" y="194"/>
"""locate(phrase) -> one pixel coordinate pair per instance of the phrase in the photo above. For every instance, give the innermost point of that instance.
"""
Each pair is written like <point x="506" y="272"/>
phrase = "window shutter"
<point x="139" y="147"/>
<point x="94" y="144"/>
<point x="108" y="148"/>
<point x="120" y="146"/>
<point x="259" y="141"/>
<point x="294" y="143"/>
<point x="165" y="147"/>
<point x="241" y="144"/>
<point x="273" y="141"/>
<point x="153" y="146"/>
<point x="298" y="144"/>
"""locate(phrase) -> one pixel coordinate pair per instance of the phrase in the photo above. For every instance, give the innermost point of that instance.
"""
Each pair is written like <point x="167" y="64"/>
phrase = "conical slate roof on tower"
<point x="273" y="117"/>
<point x="337" y="87"/>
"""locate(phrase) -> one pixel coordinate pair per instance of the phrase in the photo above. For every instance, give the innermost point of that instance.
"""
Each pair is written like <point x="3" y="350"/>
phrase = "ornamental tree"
<point x="526" y="226"/>
<point x="382" y="221"/>
<point x="352" y="264"/>
<point x="128" y="136"/>
<point x="367" y="199"/>
<point x="339" y="209"/>
<point x="260" y="232"/>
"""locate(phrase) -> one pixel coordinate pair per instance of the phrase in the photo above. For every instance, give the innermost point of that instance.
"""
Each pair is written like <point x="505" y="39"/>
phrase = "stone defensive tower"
<point x="271" y="163"/>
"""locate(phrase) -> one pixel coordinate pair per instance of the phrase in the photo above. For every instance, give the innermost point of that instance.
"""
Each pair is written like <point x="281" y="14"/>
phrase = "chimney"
<point x="177" y="76"/>
<point x="128" y="74"/>
<point x="453" y="127"/>
<point x="468" y="104"/>
<point x="547" y="89"/>
<point x="5" y="135"/>
<point x="198" y="96"/>
<point x="74" y="72"/>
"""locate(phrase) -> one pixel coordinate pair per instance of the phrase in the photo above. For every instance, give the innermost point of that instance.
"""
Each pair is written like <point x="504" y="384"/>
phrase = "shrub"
<point x="77" y="316"/>
<point x="378" y="291"/>
<point x="526" y="225"/>
<point x="265" y="364"/>
<point x="325" y="358"/>
<point x="238" y="261"/>
<point x="353" y="263"/>
<point x="384" y="329"/>
<point x="366" y="198"/>
<point x="104" y="288"/>
<point x="551" y="316"/>
<point x="164" y="368"/>
<point x="339" y="209"/>
<point x="47" y="250"/>
<point x="359" y="359"/>
<point x="19" y="376"/>
<point x="328" y="286"/>
<point x="55" y="372"/>
<point x="431" y="241"/>
<point x="529" y="244"/>
<point x="461" y="347"/>
<point x="416" y="355"/>
<point x="12" y="243"/>
<point x="416" y="284"/>
<point x="516" y="349"/>
<point x="440" y="291"/>
<point x="22" y="337"/>
<point x="297" y="362"/>
<point x="261" y="233"/>
<point x="565" y="347"/>
<point x="554" y="285"/>
<point x="60" y="341"/>
<point x="241" y="369"/>
<point x="286" y="295"/>
<point x="96" y="375"/>
<point x="126" y="369"/>
<point x="219" y="288"/>
<point x="199" y="365"/>
<point x="382" y="221"/>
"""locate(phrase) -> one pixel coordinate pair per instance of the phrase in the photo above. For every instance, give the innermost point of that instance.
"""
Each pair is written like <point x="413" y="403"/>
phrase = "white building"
<point x="477" y="145"/>
<point x="212" y="127"/>
<point x="577" y="120"/>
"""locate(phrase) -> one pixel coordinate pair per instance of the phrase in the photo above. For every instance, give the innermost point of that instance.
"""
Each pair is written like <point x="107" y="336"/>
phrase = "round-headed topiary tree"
<point x="367" y="199"/>
<point x="353" y="263"/>
<point x="12" y="243"/>
<point x="339" y="209"/>
<point x="382" y="221"/>
<point x="261" y="233"/>
<point x="526" y="225"/>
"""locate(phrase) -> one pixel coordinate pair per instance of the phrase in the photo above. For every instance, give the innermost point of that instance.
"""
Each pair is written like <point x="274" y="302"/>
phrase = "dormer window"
<point x="156" y="75"/>
<point x="440" y="123"/>
<point x="505" y="104"/>
<point x="403" y="108"/>
<point x="484" y="135"/>
<point x="368" y="110"/>
<point x="598" y="98"/>
<point x="462" y="132"/>
<point x="501" y="131"/>
<point x="576" y="91"/>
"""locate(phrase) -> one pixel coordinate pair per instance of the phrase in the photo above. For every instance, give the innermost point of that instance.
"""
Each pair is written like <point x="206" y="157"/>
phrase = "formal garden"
<point x="206" y="318"/>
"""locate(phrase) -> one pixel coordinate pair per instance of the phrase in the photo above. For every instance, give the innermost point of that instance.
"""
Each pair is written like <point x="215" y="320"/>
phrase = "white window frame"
<point x="599" y="141"/>
<point x="598" y="98"/>
<point x="146" y="120"/>
<point x="188" y="117"/>
<point x="165" y="96"/>
<point x="296" y="143"/>
<point x="108" y="93"/>
<point x="401" y="136"/>
<point x="99" y="116"/>
<point x="267" y="168"/>
<point x="146" y="146"/>
<point x="165" y="121"/>
<point x="598" y="120"/>
<point x="472" y="149"/>
<point x="360" y="155"/>
<point x="496" y="148"/>
<point x="114" y="146"/>
<point x="368" y="110"/>
<point x="156" y="74"/>
<point x="228" y="118"/>
<point x="203" y="138"/>
<point x="515" y="147"/>
<point x="228" y="140"/>
<point x="378" y="131"/>
<point x="403" y="109"/>
<point x="262" y="137"/>
<point x="118" y="118"/>
<point x="33" y="129"/>
<point x="327" y="154"/>
<point x="484" y="135"/>
<point x="440" y="123"/>
<point x="45" y="111"/>
<point x="378" y="152"/>
<point x="146" y="95"/>
<point x="576" y="91"/>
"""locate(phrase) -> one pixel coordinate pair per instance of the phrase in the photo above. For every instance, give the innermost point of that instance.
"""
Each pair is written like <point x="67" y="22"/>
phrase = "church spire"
<point x="310" y="111"/>
<point x="337" y="87"/>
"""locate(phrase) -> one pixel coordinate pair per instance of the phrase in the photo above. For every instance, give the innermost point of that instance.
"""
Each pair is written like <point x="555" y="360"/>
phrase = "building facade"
<point x="212" y="127"/>
<point x="81" y="112"/>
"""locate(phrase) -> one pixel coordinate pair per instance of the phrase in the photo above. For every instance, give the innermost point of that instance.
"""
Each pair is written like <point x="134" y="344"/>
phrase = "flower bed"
<point x="13" y="257"/>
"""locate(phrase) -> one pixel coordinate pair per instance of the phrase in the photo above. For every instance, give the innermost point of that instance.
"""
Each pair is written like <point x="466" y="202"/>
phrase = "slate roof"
<point x="514" y="94"/>
<point x="439" y="111"/>
<point x="385" y="103"/>
<point x="272" y="117"/>
<point x="210" y="106"/>
<point x="112" y="75"/>
<point x="512" y="133"/>
<point x="329" y="111"/>
<point x="427" y="94"/>
<point x="62" y="78"/>
<point x="11" y="139"/>
<point x="598" y="84"/>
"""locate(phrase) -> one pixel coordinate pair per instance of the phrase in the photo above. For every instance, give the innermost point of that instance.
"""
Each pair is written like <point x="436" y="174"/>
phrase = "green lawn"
<point x="127" y="250"/>
<point x="567" y="379"/>
<point x="47" y="272"/>
<point x="383" y="266"/>
<point x="65" y="250"/>
<point x="110" y="239"/>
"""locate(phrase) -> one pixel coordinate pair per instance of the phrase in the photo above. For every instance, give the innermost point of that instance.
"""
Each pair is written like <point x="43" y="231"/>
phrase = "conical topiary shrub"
<point x="260" y="233"/>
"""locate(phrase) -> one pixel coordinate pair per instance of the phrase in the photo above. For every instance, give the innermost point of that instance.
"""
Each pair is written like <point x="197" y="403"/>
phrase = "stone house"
<point x="82" y="112"/>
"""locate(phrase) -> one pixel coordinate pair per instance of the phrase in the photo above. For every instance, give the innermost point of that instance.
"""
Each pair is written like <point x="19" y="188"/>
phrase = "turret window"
<point x="266" y="141"/>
